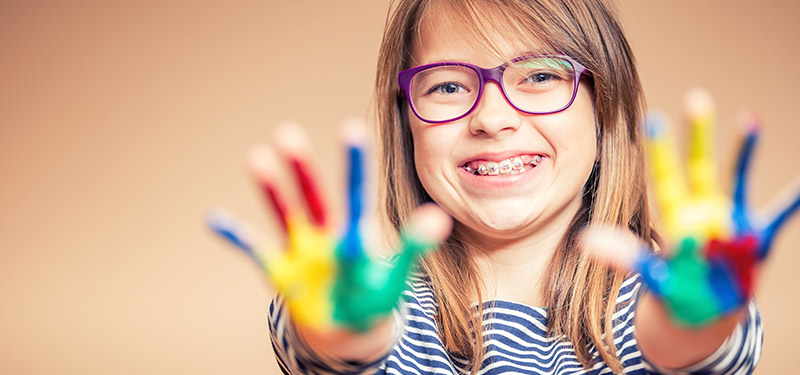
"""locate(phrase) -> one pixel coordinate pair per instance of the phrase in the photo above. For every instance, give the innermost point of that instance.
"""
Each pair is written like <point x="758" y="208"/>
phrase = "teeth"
<point x="517" y="163"/>
<point x="493" y="168"/>
<point x="513" y="165"/>
<point x="505" y="166"/>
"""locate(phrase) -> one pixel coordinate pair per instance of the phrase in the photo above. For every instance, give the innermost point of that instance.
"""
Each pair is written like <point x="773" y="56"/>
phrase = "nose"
<point x="494" y="114"/>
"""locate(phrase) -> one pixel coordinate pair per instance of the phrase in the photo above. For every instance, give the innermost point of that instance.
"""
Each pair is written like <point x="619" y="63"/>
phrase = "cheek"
<point x="431" y="143"/>
<point x="432" y="155"/>
<point x="574" y="137"/>
<point x="582" y="135"/>
<point x="424" y="151"/>
<point x="428" y="155"/>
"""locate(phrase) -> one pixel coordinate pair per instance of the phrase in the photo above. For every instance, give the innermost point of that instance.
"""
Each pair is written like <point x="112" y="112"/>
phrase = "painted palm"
<point x="719" y="242"/>
<point x="328" y="278"/>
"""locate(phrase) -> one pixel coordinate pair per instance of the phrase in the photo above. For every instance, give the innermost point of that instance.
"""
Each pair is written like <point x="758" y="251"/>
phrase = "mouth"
<point x="513" y="165"/>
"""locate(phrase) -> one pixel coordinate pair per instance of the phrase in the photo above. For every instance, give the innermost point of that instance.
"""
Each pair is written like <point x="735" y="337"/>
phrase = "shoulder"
<point x="627" y="298"/>
<point x="419" y="348"/>
<point x="420" y="291"/>
<point x="419" y="303"/>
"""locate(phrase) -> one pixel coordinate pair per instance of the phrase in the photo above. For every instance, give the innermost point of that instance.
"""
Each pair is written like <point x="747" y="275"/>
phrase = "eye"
<point x="541" y="77"/>
<point x="447" y="88"/>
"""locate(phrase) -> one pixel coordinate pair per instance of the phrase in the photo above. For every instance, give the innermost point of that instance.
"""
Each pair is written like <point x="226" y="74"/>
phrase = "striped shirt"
<point x="515" y="342"/>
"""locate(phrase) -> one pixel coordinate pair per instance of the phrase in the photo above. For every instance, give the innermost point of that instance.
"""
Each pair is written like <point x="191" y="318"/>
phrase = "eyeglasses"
<point x="533" y="84"/>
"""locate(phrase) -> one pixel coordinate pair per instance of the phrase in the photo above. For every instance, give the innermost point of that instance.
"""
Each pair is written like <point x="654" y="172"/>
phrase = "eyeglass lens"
<point x="535" y="85"/>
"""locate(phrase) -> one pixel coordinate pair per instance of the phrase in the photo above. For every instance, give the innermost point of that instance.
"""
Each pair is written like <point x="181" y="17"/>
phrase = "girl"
<point x="519" y="119"/>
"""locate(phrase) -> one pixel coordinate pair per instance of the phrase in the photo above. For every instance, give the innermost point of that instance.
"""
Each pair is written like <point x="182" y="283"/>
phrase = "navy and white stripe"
<point x="515" y="341"/>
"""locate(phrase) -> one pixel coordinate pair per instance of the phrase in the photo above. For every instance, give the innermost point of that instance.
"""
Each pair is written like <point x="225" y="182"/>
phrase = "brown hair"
<point x="580" y="292"/>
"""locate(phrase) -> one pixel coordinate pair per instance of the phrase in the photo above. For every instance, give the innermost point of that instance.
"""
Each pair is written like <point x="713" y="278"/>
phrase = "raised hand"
<point x="330" y="280"/>
<point x="719" y="242"/>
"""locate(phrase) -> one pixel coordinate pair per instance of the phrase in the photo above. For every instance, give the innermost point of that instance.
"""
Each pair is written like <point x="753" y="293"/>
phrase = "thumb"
<point x="616" y="246"/>
<point x="624" y="250"/>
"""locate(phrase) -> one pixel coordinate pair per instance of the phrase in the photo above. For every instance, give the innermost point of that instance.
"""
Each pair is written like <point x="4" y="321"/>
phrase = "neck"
<point x="513" y="268"/>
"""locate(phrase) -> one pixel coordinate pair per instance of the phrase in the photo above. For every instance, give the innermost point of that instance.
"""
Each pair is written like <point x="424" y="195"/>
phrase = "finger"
<point x="232" y="230"/>
<point x="670" y="186"/>
<point x="616" y="246"/>
<point x="355" y="139"/>
<point x="690" y="292"/>
<point x="693" y="291"/>
<point x="293" y="144"/>
<point x="428" y="227"/>
<point x="729" y="291"/>
<point x="623" y="250"/>
<point x="788" y="206"/>
<point x="262" y="161"/>
<point x="304" y="273"/>
<point x="733" y="262"/>
<point x="702" y="170"/>
<point x="741" y="211"/>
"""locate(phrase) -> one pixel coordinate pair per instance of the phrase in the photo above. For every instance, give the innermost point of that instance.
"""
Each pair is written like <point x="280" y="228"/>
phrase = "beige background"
<point x="120" y="125"/>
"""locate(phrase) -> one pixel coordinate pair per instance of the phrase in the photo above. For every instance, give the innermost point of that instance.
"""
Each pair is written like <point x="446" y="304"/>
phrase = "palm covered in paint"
<point x="719" y="241"/>
<point x="328" y="281"/>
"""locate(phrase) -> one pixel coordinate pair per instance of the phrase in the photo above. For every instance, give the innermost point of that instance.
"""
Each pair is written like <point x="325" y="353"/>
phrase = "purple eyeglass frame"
<point x="486" y="75"/>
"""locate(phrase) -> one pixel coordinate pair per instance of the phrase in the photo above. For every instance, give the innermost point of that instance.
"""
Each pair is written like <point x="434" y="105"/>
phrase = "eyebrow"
<point x="469" y="61"/>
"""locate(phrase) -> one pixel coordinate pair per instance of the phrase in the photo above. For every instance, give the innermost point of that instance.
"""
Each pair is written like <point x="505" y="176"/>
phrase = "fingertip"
<point x="655" y="124"/>
<point x="218" y="218"/>
<point x="228" y="226"/>
<point x="750" y="121"/>
<point x="617" y="246"/>
<point x="291" y="139"/>
<point x="699" y="103"/>
<point x="292" y="142"/>
<point x="354" y="132"/>
<point x="261" y="161"/>
<point x="429" y="223"/>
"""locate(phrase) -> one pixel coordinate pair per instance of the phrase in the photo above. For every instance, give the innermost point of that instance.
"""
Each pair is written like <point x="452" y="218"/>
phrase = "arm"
<point x="357" y="347"/>
<point x="667" y="344"/>
<point x="337" y="308"/>
<point x="728" y="344"/>
<point x="701" y="295"/>
<point x="360" y="353"/>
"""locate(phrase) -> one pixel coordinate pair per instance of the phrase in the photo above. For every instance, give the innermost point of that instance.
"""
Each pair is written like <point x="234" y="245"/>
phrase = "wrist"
<point x="349" y="345"/>
<point x="669" y="344"/>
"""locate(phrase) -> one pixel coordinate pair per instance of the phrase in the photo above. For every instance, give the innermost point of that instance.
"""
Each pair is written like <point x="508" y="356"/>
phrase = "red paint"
<point x="310" y="192"/>
<point x="278" y="205"/>
<point x="740" y="254"/>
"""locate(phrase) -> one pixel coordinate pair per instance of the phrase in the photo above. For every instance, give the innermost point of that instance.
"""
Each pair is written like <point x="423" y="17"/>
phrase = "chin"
<point x="514" y="220"/>
<point x="504" y="223"/>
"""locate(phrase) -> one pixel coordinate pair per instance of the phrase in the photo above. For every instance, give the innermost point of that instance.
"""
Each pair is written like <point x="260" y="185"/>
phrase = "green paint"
<point x="366" y="291"/>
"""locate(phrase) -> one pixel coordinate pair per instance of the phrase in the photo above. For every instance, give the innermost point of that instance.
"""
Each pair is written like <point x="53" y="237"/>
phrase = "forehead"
<point x="485" y="36"/>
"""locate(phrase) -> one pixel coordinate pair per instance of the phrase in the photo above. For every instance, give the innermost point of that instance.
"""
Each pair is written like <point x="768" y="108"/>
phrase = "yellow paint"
<point x="697" y="209"/>
<point x="304" y="272"/>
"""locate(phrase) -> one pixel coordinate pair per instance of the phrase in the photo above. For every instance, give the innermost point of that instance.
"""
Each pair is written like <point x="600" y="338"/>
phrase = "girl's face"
<point x="506" y="206"/>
